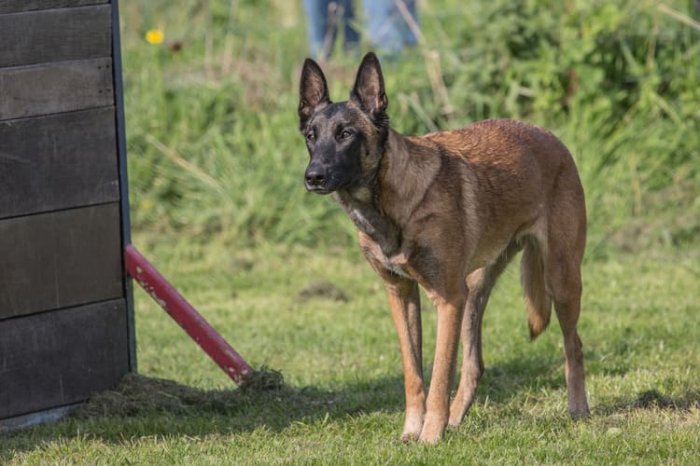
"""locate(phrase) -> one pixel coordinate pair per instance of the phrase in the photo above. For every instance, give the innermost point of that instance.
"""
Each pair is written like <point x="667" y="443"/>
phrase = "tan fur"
<point x="447" y="211"/>
<point x="465" y="201"/>
<point x="538" y="303"/>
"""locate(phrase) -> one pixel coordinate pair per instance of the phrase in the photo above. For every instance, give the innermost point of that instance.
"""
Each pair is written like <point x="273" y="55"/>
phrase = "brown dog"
<point x="448" y="211"/>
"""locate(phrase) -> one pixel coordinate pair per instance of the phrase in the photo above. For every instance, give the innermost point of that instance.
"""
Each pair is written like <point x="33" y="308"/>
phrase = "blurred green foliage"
<point x="211" y="114"/>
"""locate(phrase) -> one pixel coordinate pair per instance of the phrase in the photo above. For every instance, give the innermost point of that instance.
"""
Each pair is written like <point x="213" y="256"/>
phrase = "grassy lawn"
<point x="342" y="399"/>
<point x="215" y="166"/>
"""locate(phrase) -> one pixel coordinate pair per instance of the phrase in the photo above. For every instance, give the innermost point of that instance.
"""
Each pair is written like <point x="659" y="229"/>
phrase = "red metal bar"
<point x="184" y="314"/>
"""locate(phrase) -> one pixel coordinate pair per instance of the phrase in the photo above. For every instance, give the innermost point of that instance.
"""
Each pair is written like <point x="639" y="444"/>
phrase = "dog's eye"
<point x="346" y="133"/>
<point x="310" y="136"/>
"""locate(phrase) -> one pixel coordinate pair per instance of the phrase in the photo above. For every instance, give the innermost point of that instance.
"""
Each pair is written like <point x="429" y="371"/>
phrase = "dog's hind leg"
<point x="567" y="313"/>
<point x="479" y="283"/>
<point x="564" y="280"/>
<point x="562" y="268"/>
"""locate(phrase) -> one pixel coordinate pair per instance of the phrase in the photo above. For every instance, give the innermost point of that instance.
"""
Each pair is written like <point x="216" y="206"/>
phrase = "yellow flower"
<point x="155" y="36"/>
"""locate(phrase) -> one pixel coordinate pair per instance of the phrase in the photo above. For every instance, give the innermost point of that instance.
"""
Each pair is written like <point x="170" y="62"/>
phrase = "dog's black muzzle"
<point x="317" y="179"/>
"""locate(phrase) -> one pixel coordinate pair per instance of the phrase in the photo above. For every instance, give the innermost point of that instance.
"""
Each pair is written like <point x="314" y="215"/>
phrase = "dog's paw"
<point x="432" y="430"/>
<point x="457" y="412"/>
<point x="412" y="428"/>
<point x="578" y="414"/>
<point x="578" y="409"/>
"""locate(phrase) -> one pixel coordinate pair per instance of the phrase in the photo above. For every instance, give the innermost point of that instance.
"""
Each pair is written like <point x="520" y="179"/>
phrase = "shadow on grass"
<point x="527" y="372"/>
<point x="264" y="400"/>
<point x="146" y="406"/>
<point x="650" y="400"/>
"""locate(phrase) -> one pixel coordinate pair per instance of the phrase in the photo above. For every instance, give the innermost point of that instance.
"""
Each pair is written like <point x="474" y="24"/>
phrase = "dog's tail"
<point x="538" y="302"/>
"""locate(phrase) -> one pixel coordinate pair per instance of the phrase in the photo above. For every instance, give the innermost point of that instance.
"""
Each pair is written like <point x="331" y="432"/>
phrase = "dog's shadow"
<point x="147" y="406"/>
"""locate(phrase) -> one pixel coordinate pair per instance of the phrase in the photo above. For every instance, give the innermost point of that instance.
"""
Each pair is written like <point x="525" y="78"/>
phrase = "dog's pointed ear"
<point x="313" y="90"/>
<point x="368" y="90"/>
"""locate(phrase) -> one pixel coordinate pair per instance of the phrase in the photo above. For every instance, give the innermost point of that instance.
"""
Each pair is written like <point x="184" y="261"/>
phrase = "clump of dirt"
<point x="322" y="290"/>
<point x="263" y="380"/>
<point x="137" y="394"/>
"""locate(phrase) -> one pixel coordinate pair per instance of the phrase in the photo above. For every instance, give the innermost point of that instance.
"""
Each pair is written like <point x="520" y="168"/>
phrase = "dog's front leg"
<point x="404" y="300"/>
<point x="450" y="309"/>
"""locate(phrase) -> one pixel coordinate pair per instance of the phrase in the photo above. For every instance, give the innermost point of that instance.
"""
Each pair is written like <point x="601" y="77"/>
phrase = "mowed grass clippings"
<point x="138" y="395"/>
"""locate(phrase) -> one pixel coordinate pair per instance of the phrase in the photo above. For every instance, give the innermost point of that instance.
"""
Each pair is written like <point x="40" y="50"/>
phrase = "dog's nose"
<point x="315" y="177"/>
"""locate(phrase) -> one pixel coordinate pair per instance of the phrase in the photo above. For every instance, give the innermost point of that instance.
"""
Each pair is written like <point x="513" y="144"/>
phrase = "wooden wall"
<point x="64" y="300"/>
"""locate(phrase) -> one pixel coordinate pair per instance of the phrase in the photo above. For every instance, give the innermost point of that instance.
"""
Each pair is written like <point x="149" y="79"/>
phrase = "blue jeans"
<point x="326" y="18"/>
<point x="386" y="27"/>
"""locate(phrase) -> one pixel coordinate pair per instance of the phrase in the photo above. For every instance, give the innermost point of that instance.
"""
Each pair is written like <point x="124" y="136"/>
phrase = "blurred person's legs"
<point x="325" y="18"/>
<point x="387" y="26"/>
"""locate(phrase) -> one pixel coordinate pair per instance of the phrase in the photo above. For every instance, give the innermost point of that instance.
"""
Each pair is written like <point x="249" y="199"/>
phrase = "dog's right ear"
<point x="313" y="91"/>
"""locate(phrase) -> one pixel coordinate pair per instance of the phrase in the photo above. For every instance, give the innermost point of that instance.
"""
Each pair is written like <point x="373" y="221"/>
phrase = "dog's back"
<point x="511" y="158"/>
<point x="510" y="173"/>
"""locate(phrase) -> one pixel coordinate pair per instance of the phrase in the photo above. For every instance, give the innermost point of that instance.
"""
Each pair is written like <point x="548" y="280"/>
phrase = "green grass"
<point x="342" y="401"/>
<point x="215" y="164"/>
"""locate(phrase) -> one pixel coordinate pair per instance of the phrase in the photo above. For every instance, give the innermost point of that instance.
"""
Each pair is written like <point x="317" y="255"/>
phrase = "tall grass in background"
<point x="215" y="155"/>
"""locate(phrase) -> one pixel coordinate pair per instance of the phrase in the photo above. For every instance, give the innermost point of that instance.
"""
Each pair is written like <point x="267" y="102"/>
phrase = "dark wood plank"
<point x="58" y="161"/>
<point x="61" y="357"/>
<point x="59" y="259"/>
<point x="27" y="91"/>
<point x="55" y="35"/>
<point x="14" y="6"/>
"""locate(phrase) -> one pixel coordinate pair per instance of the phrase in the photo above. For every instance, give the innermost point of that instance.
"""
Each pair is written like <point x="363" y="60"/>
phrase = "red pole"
<point x="184" y="314"/>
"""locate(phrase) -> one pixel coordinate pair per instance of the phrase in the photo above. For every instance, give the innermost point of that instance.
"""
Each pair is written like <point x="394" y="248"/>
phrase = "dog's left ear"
<point x="368" y="90"/>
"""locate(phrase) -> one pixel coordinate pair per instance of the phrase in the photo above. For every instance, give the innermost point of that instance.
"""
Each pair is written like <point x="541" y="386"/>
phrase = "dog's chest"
<point x="381" y="244"/>
<point x="395" y="268"/>
<point x="393" y="264"/>
<point x="379" y="259"/>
